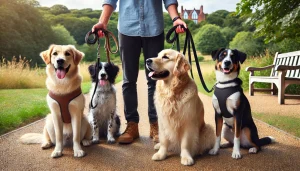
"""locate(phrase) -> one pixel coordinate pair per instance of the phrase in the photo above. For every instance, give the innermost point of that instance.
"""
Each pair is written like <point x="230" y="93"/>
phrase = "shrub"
<point x="245" y="42"/>
<point x="209" y="38"/>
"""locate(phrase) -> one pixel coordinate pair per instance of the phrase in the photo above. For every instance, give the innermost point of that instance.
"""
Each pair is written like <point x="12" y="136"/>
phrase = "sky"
<point x="209" y="6"/>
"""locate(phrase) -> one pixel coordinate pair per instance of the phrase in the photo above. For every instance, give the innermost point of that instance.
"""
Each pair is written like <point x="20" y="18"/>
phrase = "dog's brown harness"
<point x="63" y="102"/>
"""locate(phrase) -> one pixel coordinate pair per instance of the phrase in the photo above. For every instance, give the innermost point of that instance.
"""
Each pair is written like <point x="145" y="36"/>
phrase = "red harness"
<point x="63" y="102"/>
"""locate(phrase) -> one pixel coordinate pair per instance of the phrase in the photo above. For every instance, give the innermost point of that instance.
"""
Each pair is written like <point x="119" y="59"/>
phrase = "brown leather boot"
<point x="130" y="134"/>
<point x="154" y="131"/>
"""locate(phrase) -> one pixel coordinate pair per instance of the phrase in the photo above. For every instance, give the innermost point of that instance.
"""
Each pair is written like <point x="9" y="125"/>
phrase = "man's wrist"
<point x="175" y="18"/>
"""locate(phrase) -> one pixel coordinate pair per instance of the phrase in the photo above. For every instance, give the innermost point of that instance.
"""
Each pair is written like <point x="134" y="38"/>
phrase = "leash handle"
<point x="107" y="46"/>
<point x="187" y="45"/>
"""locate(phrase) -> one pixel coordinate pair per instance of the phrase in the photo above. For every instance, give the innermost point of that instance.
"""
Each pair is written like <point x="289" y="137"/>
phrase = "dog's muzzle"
<point x="60" y="70"/>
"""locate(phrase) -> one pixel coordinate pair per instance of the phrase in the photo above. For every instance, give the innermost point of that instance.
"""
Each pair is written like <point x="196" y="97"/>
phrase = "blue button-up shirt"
<point x="140" y="17"/>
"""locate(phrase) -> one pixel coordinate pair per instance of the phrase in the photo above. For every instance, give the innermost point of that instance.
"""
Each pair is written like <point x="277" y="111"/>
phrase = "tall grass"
<point x="16" y="74"/>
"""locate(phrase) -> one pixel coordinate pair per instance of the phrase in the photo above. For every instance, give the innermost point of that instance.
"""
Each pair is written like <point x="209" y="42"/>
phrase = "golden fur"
<point x="55" y="131"/>
<point x="180" y="110"/>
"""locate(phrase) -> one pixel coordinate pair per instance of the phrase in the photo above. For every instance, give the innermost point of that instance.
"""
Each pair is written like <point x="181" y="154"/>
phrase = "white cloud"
<point x="209" y="6"/>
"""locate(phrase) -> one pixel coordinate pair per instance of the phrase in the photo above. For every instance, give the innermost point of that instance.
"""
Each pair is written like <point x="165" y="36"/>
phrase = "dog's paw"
<point x="157" y="146"/>
<point x="253" y="150"/>
<point x="111" y="140"/>
<point x="158" y="156"/>
<point x="213" y="151"/>
<point x="236" y="154"/>
<point x="56" y="154"/>
<point x="187" y="160"/>
<point x="46" y="145"/>
<point x="79" y="153"/>
<point x="86" y="142"/>
<point x="96" y="141"/>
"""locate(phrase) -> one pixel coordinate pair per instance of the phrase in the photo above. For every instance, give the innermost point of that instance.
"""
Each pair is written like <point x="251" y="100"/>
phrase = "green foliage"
<point x="286" y="45"/>
<point x="274" y="19"/>
<point x="245" y="42"/>
<point x="209" y="38"/>
<point x="228" y="33"/>
<point x="59" y="9"/>
<point x="217" y="17"/>
<point x="23" y="31"/>
<point x="62" y="36"/>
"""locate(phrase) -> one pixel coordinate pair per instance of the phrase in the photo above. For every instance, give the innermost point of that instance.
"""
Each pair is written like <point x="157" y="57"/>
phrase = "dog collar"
<point x="236" y="80"/>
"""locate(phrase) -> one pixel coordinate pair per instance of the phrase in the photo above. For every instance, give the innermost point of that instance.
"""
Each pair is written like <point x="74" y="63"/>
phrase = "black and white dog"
<point x="103" y="117"/>
<point x="232" y="106"/>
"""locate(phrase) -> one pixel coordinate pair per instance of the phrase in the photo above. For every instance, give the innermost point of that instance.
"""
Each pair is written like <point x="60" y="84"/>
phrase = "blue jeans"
<point x="130" y="50"/>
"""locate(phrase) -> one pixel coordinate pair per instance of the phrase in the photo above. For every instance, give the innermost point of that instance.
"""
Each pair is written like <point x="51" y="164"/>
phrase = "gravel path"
<point x="283" y="155"/>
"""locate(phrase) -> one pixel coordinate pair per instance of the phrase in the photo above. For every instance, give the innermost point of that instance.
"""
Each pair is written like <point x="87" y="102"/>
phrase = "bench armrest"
<point x="285" y="67"/>
<point x="259" y="68"/>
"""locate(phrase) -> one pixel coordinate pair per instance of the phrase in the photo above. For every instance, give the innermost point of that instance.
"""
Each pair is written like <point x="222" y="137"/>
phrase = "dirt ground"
<point x="283" y="155"/>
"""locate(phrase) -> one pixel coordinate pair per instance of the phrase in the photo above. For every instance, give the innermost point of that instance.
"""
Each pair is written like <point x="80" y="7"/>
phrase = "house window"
<point x="195" y="17"/>
<point x="185" y="15"/>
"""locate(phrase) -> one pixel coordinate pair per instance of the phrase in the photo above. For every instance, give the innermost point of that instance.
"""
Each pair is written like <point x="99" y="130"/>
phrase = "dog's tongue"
<point x="226" y="70"/>
<point x="103" y="82"/>
<point x="150" y="74"/>
<point x="60" y="73"/>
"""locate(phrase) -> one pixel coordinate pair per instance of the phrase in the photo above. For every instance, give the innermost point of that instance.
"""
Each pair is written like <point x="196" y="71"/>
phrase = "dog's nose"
<point x="60" y="61"/>
<point x="149" y="61"/>
<point x="103" y="75"/>
<point x="227" y="63"/>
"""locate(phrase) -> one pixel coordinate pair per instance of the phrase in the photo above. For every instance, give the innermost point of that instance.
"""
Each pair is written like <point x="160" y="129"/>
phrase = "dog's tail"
<point x="32" y="138"/>
<point x="266" y="141"/>
<point x="207" y="138"/>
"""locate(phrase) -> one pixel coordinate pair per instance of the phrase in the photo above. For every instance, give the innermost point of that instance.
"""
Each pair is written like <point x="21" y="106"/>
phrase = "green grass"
<point x="19" y="107"/>
<point x="286" y="123"/>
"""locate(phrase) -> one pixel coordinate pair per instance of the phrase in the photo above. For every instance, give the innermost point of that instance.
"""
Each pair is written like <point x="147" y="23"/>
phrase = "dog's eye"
<point x="165" y="57"/>
<point x="67" y="54"/>
<point x="55" y="53"/>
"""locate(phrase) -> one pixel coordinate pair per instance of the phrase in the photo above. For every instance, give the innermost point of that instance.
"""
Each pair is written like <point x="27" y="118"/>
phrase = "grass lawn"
<point x="21" y="106"/>
<point x="29" y="105"/>
<point x="286" y="123"/>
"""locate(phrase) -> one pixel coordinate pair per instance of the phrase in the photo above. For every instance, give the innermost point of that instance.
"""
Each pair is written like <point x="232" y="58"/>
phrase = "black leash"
<point x="187" y="45"/>
<point x="107" y="47"/>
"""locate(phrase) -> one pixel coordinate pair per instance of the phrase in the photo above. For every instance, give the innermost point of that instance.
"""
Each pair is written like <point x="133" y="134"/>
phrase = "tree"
<point x="209" y="38"/>
<point x="23" y="31"/>
<point x="245" y="42"/>
<point x="228" y="34"/>
<point x="59" y="9"/>
<point x="62" y="36"/>
<point x="274" y="19"/>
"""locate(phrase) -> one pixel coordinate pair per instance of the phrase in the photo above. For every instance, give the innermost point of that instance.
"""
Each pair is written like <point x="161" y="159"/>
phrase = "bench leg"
<point x="274" y="88"/>
<point x="251" y="89"/>
<point x="281" y="95"/>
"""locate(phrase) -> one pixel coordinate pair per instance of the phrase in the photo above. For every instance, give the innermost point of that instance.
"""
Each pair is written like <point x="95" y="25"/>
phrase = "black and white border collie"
<point x="232" y="108"/>
<point x="103" y="118"/>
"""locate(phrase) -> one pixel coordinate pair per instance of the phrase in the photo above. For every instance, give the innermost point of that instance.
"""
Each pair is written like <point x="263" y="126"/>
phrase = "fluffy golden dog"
<point x="63" y="80"/>
<point x="179" y="108"/>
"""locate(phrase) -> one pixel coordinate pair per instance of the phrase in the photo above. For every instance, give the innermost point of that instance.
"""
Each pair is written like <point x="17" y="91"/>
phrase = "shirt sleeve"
<point x="170" y="2"/>
<point x="112" y="3"/>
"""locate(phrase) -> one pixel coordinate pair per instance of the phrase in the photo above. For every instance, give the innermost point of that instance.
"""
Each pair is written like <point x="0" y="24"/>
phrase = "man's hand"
<point x="180" y="22"/>
<point x="99" y="26"/>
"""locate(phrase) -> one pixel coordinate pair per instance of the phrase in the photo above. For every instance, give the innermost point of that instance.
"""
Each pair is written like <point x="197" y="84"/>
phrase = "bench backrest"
<point x="289" y="59"/>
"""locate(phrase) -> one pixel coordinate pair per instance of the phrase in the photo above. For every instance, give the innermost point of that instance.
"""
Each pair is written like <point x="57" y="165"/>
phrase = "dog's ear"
<point x="215" y="53"/>
<point x="92" y="70"/>
<point x="181" y="66"/>
<point x="240" y="55"/>
<point x="114" y="72"/>
<point x="46" y="55"/>
<point x="77" y="55"/>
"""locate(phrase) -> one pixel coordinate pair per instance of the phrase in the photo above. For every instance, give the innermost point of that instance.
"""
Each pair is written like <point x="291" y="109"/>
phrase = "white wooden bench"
<point x="285" y="71"/>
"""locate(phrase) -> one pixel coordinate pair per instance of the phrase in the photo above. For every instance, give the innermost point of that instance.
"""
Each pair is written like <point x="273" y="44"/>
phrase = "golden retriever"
<point x="179" y="108"/>
<point x="63" y="79"/>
